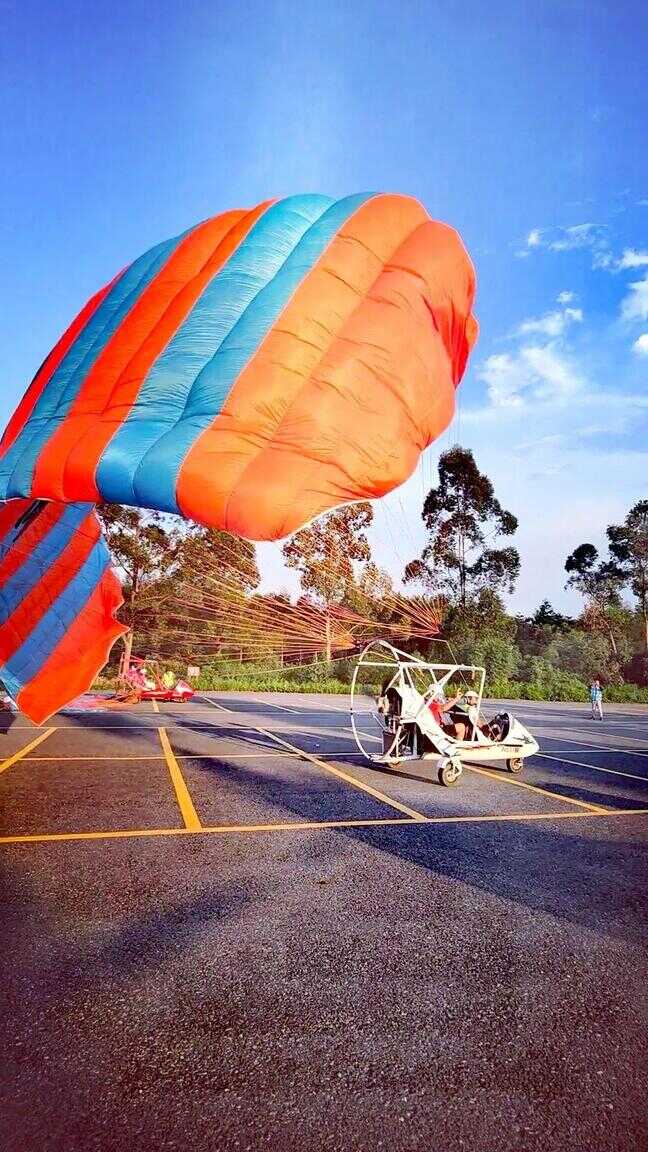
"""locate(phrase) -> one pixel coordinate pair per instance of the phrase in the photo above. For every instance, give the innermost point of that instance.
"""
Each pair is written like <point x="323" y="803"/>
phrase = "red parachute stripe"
<point x="49" y="366"/>
<point x="32" y="535"/>
<point x="79" y="658"/>
<point x="18" y="626"/>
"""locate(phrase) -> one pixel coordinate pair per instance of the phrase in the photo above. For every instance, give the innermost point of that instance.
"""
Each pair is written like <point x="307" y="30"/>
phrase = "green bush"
<point x="626" y="694"/>
<point x="583" y="654"/>
<point x="212" y="679"/>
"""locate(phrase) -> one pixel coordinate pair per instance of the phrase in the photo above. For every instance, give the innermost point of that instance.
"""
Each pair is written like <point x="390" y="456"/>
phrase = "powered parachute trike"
<point x="407" y="720"/>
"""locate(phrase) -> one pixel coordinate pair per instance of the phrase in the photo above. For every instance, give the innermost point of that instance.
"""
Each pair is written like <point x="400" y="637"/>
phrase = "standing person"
<point x="596" y="700"/>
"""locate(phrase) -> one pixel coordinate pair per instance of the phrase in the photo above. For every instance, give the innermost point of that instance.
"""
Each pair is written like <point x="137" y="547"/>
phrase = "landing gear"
<point x="449" y="771"/>
<point x="515" y="765"/>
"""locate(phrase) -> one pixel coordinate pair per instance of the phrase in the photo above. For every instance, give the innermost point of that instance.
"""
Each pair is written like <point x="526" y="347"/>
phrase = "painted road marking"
<point x="335" y="771"/>
<point x="604" y="748"/>
<point x="179" y="756"/>
<point x="156" y="706"/>
<point x="321" y="825"/>
<point x="185" y="803"/>
<point x="26" y="750"/>
<point x="594" y="767"/>
<point x="533" y="788"/>
<point x="281" y="707"/>
<point x="601" y="748"/>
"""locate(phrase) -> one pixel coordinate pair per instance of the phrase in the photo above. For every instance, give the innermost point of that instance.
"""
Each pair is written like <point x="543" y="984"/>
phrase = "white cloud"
<point x="554" y="376"/>
<point x="565" y="297"/>
<point x="632" y="258"/>
<point x="634" y="306"/>
<point x="553" y="324"/>
<point x="501" y="373"/>
<point x="641" y="344"/>
<point x="537" y="373"/>
<point x="576" y="236"/>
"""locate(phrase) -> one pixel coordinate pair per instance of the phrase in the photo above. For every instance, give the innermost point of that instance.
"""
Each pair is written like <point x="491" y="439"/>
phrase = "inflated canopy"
<point x="261" y="368"/>
<point x="58" y="599"/>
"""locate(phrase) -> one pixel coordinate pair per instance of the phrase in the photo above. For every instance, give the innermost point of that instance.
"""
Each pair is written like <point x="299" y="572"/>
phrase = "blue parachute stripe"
<point x="40" y="645"/>
<point x="43" y="556"/>
<point x="17" y="466"/>
<point x="165" y="393"/>
<point x="191" y="379"/>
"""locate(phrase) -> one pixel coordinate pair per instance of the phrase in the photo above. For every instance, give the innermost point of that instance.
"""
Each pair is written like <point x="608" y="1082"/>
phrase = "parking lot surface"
<point x="222" y="929"/>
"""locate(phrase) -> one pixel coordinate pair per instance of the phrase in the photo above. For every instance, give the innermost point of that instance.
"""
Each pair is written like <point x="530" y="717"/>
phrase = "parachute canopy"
<point x="58" y="598"/>
<point x="257" y="370"/>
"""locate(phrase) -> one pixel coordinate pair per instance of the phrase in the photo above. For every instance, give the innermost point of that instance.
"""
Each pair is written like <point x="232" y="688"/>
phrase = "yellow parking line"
<point x="533" y="788"/>
<point x="185" y="803"/>
<point x="156" y="706"/>
<point x="26" y="750"/>
<point x="91" y="759"/>
<point x="182" y="756"/>
<point x="223" y="829"/>
<point x="378" y="795"/>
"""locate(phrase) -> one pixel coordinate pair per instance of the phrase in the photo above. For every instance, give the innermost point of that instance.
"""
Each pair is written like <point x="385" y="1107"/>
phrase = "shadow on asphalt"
<point x="581" y="881"/>
<point x="251" y="739"/>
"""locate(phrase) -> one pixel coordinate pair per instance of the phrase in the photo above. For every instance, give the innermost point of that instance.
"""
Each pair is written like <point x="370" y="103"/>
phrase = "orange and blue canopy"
<point x="257" y="370"/>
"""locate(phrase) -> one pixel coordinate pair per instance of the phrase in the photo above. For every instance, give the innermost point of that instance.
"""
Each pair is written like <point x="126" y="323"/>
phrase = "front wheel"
<point x="515" y="765"/>
<point x="449" y="772"/>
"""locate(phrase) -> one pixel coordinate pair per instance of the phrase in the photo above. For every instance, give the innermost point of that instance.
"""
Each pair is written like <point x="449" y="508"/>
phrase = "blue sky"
<point x="522" y="124"/>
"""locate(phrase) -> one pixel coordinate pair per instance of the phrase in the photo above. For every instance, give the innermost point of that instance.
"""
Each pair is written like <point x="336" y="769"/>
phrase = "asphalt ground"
<point x="222" y="930"/>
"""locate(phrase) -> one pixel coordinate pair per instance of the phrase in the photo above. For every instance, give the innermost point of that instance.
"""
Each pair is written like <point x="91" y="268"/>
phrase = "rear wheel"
<point x="515" y="765"/>
<point x="449" y="772"/>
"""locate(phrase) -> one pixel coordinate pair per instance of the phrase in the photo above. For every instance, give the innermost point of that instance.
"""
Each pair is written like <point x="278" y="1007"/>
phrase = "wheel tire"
<point x="515" y="765"/>
<point x="449" y="772"/>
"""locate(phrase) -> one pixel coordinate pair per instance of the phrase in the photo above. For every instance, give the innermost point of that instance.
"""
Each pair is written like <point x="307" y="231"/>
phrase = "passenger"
<point x="465" y="715"/>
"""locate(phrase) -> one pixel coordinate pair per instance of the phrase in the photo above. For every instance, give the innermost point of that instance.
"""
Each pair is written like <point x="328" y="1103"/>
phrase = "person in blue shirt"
<point x="596" y="700"/>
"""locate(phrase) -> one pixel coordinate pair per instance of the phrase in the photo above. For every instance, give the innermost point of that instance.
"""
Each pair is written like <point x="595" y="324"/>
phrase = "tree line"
<point x="190" y="589"/>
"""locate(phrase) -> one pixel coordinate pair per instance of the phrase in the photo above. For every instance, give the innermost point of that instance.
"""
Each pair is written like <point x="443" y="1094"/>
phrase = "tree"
<point x="218" y="557"/>
<point x="370" y="593"/>
<point x="482" y="633"/>
<point x="210" y="603"/>
<point x="600" y="583"/>
<point x="145" y="550"/>
<point x="535" y="632"/>
<point x="546" y="617"/>
<point x="183" y="584"/>
<point x="324" y="554"/>
<point x="628" y="546"/>
<point x="463" y="516"/>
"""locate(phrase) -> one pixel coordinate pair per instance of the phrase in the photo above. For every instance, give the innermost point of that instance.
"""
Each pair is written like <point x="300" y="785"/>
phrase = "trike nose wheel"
<point x="449" y="772"/>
